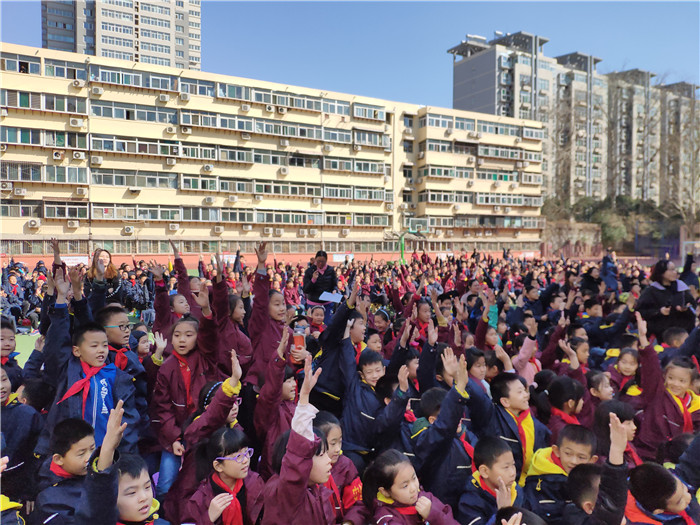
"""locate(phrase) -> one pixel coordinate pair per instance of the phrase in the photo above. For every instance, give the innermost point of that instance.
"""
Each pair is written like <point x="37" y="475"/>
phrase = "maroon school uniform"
<point x="230" y="334"/>
<point x="273" y="416"/>
<point x="290" y="499"/>
<point x="346" y="494"/>
<point x="165" y="317"/>
<point x="440" y="514"/>
<point x="265" y="333"/>
<point x="213" y="418"/>
<point x="183" y="288"/>
<point x="632" y="395"/>
<point x="663" y="419"/>
<point x="197" y="508"/>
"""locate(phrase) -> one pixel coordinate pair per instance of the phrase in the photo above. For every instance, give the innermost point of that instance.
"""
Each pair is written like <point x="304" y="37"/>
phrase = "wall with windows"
<point x="128" y="157"/>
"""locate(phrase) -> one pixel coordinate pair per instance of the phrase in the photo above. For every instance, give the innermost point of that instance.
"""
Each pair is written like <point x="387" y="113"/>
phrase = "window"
<point x="117" y="28"/>
<point x="117" y="41"/>
<point x="180" y="54"/>
<point x="143" y="179"/>
<point x="120" y="55"/>
<point x="20" y="171"/>
<point x="195" y="25"/>
<point x="119" y="15"/>
<point x="180" y="29"/>
<point x="158" y="9"/>
<point x="156" y="35"/>
<point x="56" y="210"/>
<point x="195" y="47"/>
<point x="439" y="121"/>
<point x="179" y="16"/>
<point x="20" y="99"/>
<point x="337" y="135"/>
<point x="133" y="112"/>
<point x="332" y="164"/>
<point x="157" y="22"/>
<point x="197" y="87"/>
<point x="408" y="146"/>
<point x="464" y="123"/>
<point x="66" y="175"/>
<point x="59" y="12"/>
<point x="195" y="36"/>
<point x="368" y="112"/>
<point x="338" y="107"/>
<point x="179" y="41"/>
<point x="64" y="139"/>
<point x="66" y="104"/>
<point x="24" y="209"/>
<point x="20" y="136"/>
<point x="119" y="77"/>
<point x="60" y="25"/>
<point x="369" y="138"/>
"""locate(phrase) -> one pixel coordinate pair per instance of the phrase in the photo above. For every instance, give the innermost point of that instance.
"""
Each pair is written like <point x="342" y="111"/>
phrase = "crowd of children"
<point x="461" y="390"/>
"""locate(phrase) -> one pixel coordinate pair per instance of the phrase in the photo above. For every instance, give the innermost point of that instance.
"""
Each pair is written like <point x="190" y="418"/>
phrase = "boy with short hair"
<point x="7" y="352"/>
<point x="546" y="491"/>
<point x="493" y="485"/>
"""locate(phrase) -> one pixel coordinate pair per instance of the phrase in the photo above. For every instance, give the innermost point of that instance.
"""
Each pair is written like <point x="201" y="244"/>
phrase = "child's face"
<point x="595" y="311"/>
<point x="232" y="414"/>
<point x="317" y="316"/>
<point x="503" y="467"/>
<point x="75" y="461"/>
<point x="556" y="303"/>
<point x="7" y="342"/>
<point x="374" y="343"/>
<point x="231" y="467"/>
<point x="412" y="366"/>
<point x="93" y="349"/>
<point x="627" y="365"/>
<point x="357" y="332"/>
<point x="491" y="337"/>
<point x="289" y="389"/>
<point x="5" y="387"/>
<point x="605" y="391"/>
<point x="180" y="305"/>
<point x="582" y="352"/>
<point x="144" y="346"/>
<point x="134" y="498"/>
<point x="380" y="323"/>
<point x="478" y="369"/>
<point x="335" y="443"/>
<point x="677" y="380"/>
<point x="630" y="429"/>
<point x="405" y="488"/>
<point x="321" y="469"/>
<point x="184" y="338"/>
<point x="424" y="313"/>
<point x="571" y="454"/>
<point x="372" y="372"/>
<point x="276" y="308"/>
<point x="115" y="335"/>
<point x="680" y="499"/>
<point x="518" y="396"/>
<point x="238" y="312"/>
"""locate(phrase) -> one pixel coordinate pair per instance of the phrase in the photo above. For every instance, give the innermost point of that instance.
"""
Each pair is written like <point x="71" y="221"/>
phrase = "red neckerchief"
<point x="485" y="487"/>
<point x="317" y="327"/>
<point x="233" y="514"/>
<point x="688" y="520"/>
<point x="4" y="359"/>
<point x="358" y="352"/>
<point x="407" y="511"/>
<point x="120" y="360"/>
<point x="415" y="384"/>
<point x="186" y="378"/>
<point x="14" y="288"/>
<point x="555" y="459"/>
<point x="335" y="497"/>
<point x="625" y="380"/>
<point x="629" y="450"/>
<point x="687" y="418"/>
<point x="468" y="448"/>
<point x="83" y="384"/>
<point x="566" y="418"/>
<point x="521" y="431"/>
<point x="60" y="471"/>
<point x="584" y="368"/>
<point x="409" y="416"/>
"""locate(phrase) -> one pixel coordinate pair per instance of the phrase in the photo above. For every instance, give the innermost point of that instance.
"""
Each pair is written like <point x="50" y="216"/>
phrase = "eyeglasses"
<point x="122" y="327"/>
<point x="240" y="457"/>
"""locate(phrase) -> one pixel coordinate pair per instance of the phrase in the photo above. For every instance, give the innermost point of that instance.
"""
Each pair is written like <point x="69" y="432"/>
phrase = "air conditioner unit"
<point x="267" y="231"/>
<point x="218" y="229"/>
<point x="247" y="227"/>
<point x="270" y="108"/>
<point x="517" y="139"/>
<point x="419" y="180"/>
<point x="421" y="155"/>
<point x="58" y="154"/>
<point x="3" y="112"/>
<point x="128" y="230"/>
<point x="403" y="205"/>
<point x="408" y="131"/>
<point x="471" y="159"/>
<point x="513" y="185"/>
<point x="497" y="184"/>
<point x="173" y="227"/>
<point x="496" y="209"/>
<point x="448" y="131"/>
<point x="389" y="206"/>
<point x="473" y="134"/>
<point x="245" y="107"/>
<point x="209" y="200"/>
<point x="478" y="134"/>
<point x="282" y="110"/>
<point x="456" y="207"/>
<point x="78" y="155"/>
<point x="96" y="159"/>
<point x="233" y="198"/>
<point x="209" y="168"/>
<point x="245" y="136"/>
<point x="516" y="234"/>
<point x="134" y="189"/>
<point x="5" y="186"/>
<point x="449" y="233"/>
<point x="413" y="205"/>
<point x="78" y="83"/>
<point x="518" y="164"/>
<point x="258" y="198"/>
<point x="345" y="232"/>
<point x="313" y="232"/>
<point x="171" y="161"/>
<point x="284" y="142"/>
<point x="279" y="232"/>
<point x="76" y="123"/>
<point x="357" y="147"/>
<point x="164" y="98"/>
<point x="20" y="192"/>
<point x="81" y="191"/>
<point x="479" y="233"/>
<point x="284" y="170"/>
<point x="480" y="162"/>
<point x="73" y="224"/>
<point x="303" y="232"/>
<point x="171" y="129"/>
<point x="526" y="163"/>
<point x="184" y="97"/>
<point x="185" y="130"/>
<point x="317" y="200"/>
<point x="470" y="183"/>
<point x="488" y="233"/>
<point x="97" y="90"/>
<point x="507" y="209"/>
<point x="33" y="223"/>
<point x="327" y="148"/>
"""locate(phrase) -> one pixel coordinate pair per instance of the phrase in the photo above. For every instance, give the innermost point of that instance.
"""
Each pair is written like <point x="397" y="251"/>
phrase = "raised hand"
<point x="176" y="251"/>
<point x="62" y="286"/>
<point x="113" y="436"/>
<point x="39" y="343"/>
<point x="245" y="285"/>
<point x="449" y="362"/>
<point x="515" y="519"/>
<point x="457" y="335"/>
<point x="432" y="333"/>
<point x="56" y="251"/>
<point x="570" y="353"/>
<point x="156" y="269"/>
<point x="261" y="252"/>
<point x="642" y="329"/>
<point x="462" y="375"/>
<point x="618" y="440"/>
<point x="161" y="344"/>
<point x="504" y="358"/>
<point x="236" y="370"/>
<point x="403" y="378"/>
<point x="219" y="268"/>
<point x="76" y="274"/>
<point x="202" y="298"/>
<point x="282" y="347"/>
<point x="310" y="379"/>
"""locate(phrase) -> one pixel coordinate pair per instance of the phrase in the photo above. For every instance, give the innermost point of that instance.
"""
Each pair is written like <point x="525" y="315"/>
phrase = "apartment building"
<point x="99" y="152"/>
<point x="161" y="32"/>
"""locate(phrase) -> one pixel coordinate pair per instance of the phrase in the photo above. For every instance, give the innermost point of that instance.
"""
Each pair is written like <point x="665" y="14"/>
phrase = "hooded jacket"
<point x="546" y="493"/>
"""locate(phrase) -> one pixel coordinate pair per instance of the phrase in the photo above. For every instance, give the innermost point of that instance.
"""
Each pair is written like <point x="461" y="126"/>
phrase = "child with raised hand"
<point x="560" y="404"/>
<point x="672" y="407"/>
<point x="392" y="492"/>
<point x="86" y="385"/>
<point x="298" y="489"/>
<point x="169" y="308"/>
<point x="625" y="378"/>
<point x="275" y="406"/>
<point x="599" y="492"/>
<point x="443" y="456"/>
<point x="187" y="287"/>
<point x="601" y="426"/>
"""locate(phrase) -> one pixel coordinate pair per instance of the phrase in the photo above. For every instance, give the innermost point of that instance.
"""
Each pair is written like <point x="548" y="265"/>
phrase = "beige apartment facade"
<point x="126" y="156"/>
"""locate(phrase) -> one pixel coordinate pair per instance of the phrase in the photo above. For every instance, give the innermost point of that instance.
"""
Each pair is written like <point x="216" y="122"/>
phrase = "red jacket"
<point x="197" y="508"/>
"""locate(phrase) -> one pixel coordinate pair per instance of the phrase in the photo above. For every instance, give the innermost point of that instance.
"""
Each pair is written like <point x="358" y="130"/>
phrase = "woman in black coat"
<point x="667" y="301"/>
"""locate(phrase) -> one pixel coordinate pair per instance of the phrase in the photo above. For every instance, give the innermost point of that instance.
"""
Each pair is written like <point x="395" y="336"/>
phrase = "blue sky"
<point x="397" y="50"/>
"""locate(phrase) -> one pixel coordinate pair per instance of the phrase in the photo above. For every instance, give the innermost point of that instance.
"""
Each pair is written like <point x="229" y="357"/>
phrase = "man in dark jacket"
<point x="319" y="278"/>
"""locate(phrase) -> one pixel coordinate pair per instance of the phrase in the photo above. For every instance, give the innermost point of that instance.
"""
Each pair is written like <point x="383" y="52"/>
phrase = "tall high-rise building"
<point x="162" y="32"/>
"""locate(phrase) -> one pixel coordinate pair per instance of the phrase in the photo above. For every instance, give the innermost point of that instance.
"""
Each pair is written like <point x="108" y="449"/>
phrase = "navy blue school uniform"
<point x="62" y="370"/>
<point x="365" y="416"/>
<point x="489" y="419"/>
<point x="58" y="499"/>
<point x="601" y="332"/>
<point x="688" y="467"/>
<point x="426" y="369"/>
<point x="330" y="383"/>
<point x="477" y="506"/>
<point x="546" y="491"/>
<point x="34" y="366"/>
<point x="13" y="370"/>
<point x="610" y="504"/>
<point x="442" y="461"/>
<point x="21" y="425"/>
